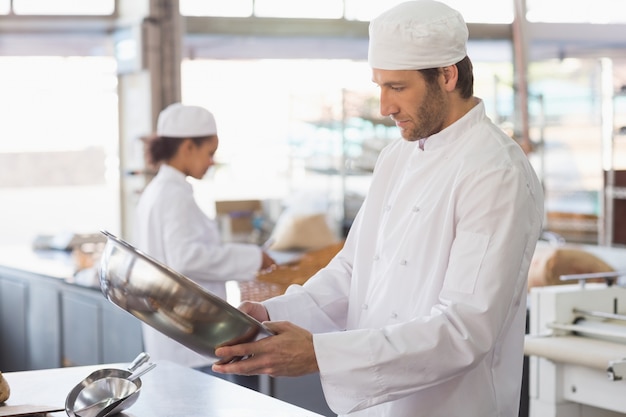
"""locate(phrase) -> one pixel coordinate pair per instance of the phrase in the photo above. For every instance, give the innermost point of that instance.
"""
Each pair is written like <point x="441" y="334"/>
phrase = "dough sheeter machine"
<point x="577" y="347"/>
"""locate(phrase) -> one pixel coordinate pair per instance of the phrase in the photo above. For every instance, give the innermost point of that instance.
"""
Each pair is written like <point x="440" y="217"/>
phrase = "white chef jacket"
<point x="422" y="313"/>
<point x="175" y="231"/>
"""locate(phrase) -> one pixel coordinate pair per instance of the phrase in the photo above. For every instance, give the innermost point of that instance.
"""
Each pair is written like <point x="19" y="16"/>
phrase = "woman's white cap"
<point x="180" y="121"/>
<point x="417" y="35"/>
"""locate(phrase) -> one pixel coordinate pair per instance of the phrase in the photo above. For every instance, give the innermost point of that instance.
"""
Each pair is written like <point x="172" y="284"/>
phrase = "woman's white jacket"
<point x="173" y="229"/>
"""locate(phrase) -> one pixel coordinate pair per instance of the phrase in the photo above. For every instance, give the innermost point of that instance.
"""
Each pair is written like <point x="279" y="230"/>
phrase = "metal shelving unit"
<point x="350" y="135"/>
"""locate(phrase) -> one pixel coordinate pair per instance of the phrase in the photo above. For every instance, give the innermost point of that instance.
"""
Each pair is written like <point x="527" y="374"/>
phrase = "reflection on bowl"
<point x="170" y="302"/>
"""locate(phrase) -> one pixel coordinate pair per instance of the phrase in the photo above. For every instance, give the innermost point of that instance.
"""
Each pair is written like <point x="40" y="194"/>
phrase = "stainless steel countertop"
<point x="168" y="390"/>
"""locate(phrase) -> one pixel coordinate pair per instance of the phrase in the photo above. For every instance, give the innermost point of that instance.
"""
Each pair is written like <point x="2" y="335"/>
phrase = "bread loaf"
<point x="5" y="391"/>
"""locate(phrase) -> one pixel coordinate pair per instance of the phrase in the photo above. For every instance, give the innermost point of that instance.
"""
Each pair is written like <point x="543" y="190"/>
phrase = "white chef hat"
<point x="417" y="35"/>
<point x="180" y="121"/>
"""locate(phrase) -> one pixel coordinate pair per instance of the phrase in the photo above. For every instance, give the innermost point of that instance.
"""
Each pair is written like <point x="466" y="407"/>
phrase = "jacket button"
<point x="376" y="257"/>
<point x="388" y="207"/>
<point x="394" y="315"/>
<point x="403" y="262"/>
<point x="416" y="209"/>
<point x="364" y="306"/>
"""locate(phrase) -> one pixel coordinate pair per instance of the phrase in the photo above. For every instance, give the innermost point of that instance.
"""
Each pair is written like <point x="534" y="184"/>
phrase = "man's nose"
<point x="386" y="106"/>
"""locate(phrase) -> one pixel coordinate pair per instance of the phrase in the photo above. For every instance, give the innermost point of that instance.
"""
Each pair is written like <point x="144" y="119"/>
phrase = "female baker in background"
<point x="173" y="229"/>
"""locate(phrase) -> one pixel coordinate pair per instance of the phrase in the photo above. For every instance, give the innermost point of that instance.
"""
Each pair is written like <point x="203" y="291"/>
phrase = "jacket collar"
<point x="169" y="172"/>
<point x="457" y="129"/>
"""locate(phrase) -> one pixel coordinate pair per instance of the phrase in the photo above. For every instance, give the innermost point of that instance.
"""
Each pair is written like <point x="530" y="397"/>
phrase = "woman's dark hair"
<point x="162" y="148"/>
<point x="465" y="84"/>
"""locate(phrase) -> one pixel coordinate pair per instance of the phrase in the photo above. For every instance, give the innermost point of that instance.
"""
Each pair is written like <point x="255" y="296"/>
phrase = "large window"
<point x="58" y="155"/>
<point x="63" y="7"/>
<point x="484" y="11"/>
<point x="478" y="11"/>
<point x="273" y="117"/>
<point x="569" y="109"/>
<point x="566" y="11"/>
<point x="566" y="107"/>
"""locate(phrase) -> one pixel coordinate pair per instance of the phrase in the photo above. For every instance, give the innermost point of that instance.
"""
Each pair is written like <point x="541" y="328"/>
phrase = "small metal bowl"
<point x="170" y="302"/>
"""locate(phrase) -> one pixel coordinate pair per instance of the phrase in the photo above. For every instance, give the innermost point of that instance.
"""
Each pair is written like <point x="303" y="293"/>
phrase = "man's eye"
<point x="397" y="88"/>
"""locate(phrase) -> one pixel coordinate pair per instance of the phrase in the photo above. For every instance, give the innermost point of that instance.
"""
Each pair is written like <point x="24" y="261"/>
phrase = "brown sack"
<point x="549" y="264"/>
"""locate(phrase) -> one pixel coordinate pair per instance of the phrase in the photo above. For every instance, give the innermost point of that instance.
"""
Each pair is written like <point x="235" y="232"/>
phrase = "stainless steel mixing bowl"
<point x="170" y="302"/>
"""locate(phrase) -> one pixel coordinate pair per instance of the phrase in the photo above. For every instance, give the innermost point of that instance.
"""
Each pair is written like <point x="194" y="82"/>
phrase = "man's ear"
<point x="450" y="76"/>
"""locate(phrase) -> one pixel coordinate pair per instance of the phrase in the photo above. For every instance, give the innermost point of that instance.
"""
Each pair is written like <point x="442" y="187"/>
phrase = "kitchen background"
<point x="294" y="113"/>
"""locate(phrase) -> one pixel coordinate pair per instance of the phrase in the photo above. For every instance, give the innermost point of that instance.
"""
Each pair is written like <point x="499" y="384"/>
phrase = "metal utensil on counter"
<point x="111" y="394"/>
<point x="78" y="398"/>
<point x="170" y="302"/>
